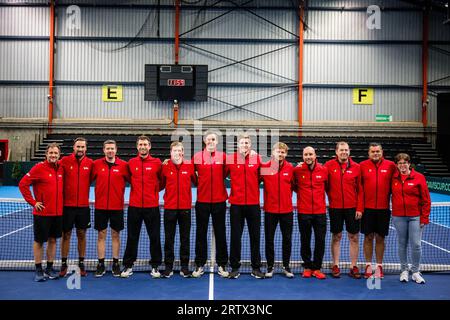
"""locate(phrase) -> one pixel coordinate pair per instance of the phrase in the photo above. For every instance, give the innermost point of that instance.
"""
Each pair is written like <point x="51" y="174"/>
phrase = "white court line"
<point x="440" y="225"/>
<point x="3" y="215"/>
<point x="211" y="284"/>
<point x="435" y="246"/>
<point x="5" y="235"/>
<point x="429" y="243"/>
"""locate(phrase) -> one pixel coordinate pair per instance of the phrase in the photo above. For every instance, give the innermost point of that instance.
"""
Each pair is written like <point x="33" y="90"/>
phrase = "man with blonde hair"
<point x="277" y="175"/>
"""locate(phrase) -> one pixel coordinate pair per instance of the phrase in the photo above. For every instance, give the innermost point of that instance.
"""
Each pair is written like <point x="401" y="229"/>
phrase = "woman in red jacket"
<point x="411" y="207"/>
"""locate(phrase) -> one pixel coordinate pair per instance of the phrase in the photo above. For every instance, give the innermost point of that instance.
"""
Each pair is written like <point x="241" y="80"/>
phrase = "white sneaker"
<point x="287" y="272"/>
<point x="155" y="273"/>
<point x="126" y="272"/>
<point x="269" y="273"/>
<point x="198" y="272"/>
<point x="404" y="276"/>
<point x="223" y="272"/>
<point x="417" y="277"/>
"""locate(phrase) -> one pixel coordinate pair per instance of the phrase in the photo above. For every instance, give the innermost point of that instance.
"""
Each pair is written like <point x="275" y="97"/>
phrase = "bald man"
<point x="310" y="184"/>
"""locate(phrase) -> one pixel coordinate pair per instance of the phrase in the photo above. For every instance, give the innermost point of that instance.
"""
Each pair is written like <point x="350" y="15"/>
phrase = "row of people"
<point x="359" y="198"/>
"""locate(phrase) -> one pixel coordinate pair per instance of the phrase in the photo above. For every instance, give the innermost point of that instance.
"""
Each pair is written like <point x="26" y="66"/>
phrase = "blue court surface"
<point x="20" y="285"/>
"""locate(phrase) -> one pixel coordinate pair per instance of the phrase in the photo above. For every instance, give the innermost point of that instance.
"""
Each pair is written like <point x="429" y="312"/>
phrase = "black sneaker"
<point x="51" y="274"/>
<point x="256" y="273"/>
<point x="185" y="273"/>
<point x="116" y="270"/>
<point x="234" y="274"/>
<point x="100" y="270"/>
<point x="167" y="273"/>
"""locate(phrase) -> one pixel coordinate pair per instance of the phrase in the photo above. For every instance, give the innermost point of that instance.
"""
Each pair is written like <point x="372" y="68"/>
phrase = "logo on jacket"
<point x="384" y="171"/>
<point x="410" y="184"/>
<point x="148" y="168"/>
<point x="49" y="174"/>
<point x="86" y="168"/>
<point x="251" y="165"/>
<point x="285" y="174"/>
<point x="370" y="170"/>
<point x="115" y="170"/>
<point x="184" y="172"/>
<point x="349" y="171"/>
<point x="318" y="177"/>
<point x="71" y="167"/>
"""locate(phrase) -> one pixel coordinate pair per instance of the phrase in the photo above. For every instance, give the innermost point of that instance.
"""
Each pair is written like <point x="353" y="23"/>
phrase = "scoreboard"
<point x="176" y="82"/>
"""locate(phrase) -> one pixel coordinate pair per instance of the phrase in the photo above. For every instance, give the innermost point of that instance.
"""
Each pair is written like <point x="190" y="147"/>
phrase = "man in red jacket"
<point x="243" y="168"/>
<point x="110" y="175"/>
<point x="145" y="174"/>
<point x="47" y="180"/>
<point x="77" y="171"/>
<point x="376" y="176"/>
<point x="211" y="201"/>
<point x="310" y="181"/>
<point x="277" y="175"/>
<point x="177" y="177"/>
<point x="345" y="195"/>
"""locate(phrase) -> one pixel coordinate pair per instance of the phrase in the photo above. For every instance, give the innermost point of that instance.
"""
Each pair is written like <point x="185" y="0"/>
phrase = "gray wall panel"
<point x="371" y="64"/>
<point x="439" y="31"/>
<point x="24" y="60"/>
<point x="282" y="62"/>
<point x="357" y="3"/>
<point x="116" y="22"/>
<point x="23" y="102"/>
<point x="86" y="103"/>
<point x="351" y="25"/>
<point x="336" y="105"/>
<point x="439" y="66"/>
<point x="105" y="61"/>
<point x="24" y="21"/>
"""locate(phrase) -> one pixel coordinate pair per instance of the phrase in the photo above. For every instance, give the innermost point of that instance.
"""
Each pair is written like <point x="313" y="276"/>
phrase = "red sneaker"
<point x="307" y="273"/>
<point x="319" y="275"/>
<point x="379" y="272"/>
<point x="63" y="271"/>
<point x="336" y="272"/>
<point x="354" y="273"/>
<point x="368" y="272"/>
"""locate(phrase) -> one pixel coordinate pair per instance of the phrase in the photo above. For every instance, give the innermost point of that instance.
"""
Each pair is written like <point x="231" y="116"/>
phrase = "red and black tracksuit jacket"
<point x="376" y="181"/>
<point x="310" y="186"/>
<point x="244" y="174"/>
<point x="211" y="174"/>
<point x="145" y="181"/>
<point x="77" y="175"/>
<point x="110" y="183"/>
<point x="47" y="181"/>
<point x="344" y="185"/>
<point x="278" y="186"/>
<point x="177" y="180"/>
<point x="411" y="198"/>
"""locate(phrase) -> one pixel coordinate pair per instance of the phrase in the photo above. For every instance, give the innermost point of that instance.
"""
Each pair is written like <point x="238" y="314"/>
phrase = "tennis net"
<point x="16" y="240"/>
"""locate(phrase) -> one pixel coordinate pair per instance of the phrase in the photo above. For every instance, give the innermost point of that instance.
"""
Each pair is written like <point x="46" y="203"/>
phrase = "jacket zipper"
<point x="376" y="187"/>
<point x="57" y="189"/>
<point x="109" y="182"/>
<point x="312" y="190"/>
<point x="279" y="188"/>
<point x="403" y="197"/>
<point x="142" y="168"/>
<point x="178" y="187"/>
<point x="342" y="185"/>
<point x="210" y="155"/>
<point x="245" y="182"/>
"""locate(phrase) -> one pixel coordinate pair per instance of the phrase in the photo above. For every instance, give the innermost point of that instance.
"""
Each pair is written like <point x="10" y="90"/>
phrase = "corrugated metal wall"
<point x="338" y="51"/>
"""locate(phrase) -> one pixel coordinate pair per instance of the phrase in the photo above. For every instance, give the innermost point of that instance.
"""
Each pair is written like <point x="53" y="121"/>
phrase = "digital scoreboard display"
<point x="176" y="82"/>
<point x="171" y="82"/>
